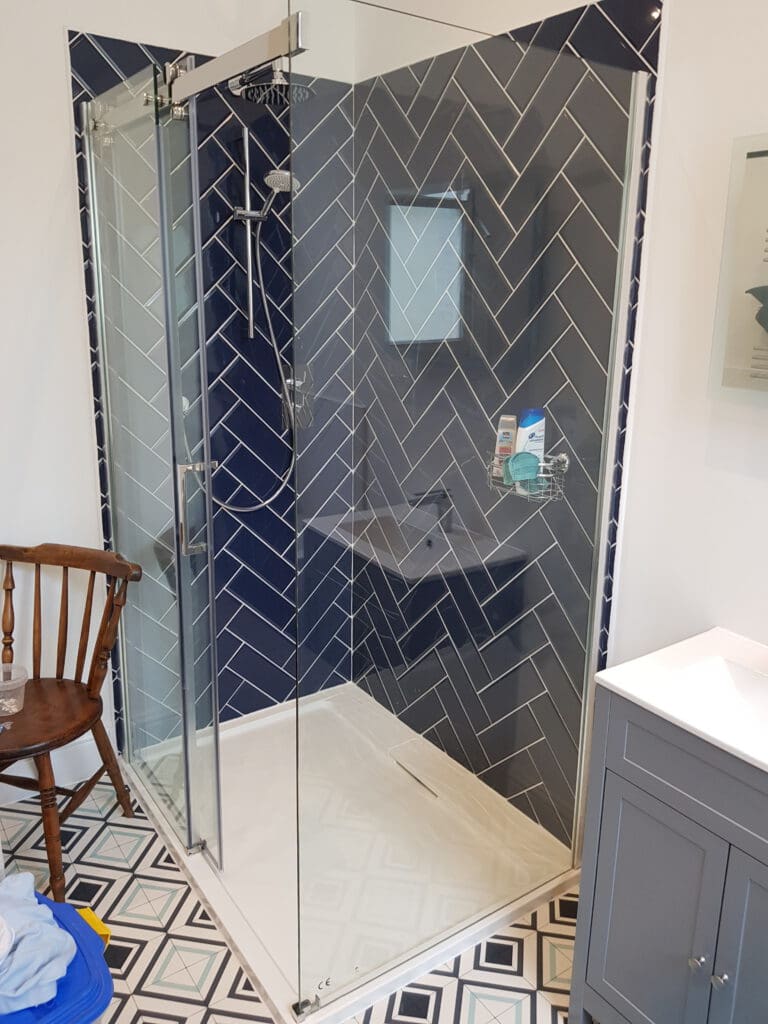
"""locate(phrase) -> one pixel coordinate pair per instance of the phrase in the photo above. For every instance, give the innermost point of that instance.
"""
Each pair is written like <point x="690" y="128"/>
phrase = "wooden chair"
<point x="58" y="710"/>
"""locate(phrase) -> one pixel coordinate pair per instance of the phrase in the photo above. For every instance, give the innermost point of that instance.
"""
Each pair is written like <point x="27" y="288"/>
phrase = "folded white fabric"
<point x="40" y="953"/>
<point x="6" y="938"/>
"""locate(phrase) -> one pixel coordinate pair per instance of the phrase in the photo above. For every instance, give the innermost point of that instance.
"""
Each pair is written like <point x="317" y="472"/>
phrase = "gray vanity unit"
<point x="673" y="915"/>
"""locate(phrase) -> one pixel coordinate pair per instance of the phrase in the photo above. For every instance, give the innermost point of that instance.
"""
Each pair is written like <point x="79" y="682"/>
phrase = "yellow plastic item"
<point x="97" y="924"/>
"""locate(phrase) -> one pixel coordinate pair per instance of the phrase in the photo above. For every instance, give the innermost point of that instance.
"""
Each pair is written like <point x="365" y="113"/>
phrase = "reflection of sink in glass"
<point x="412" y="543"/>
<point x="404" y="563"/>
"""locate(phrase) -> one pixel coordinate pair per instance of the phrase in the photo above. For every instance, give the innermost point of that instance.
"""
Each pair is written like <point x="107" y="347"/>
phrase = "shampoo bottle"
<point x="531" y="433"/>
<point x="506" y="438"/>
<point x="531" y="438"/>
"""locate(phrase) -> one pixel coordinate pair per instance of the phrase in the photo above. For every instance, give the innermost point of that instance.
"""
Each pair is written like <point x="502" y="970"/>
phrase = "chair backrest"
<point x="118" y="573"/>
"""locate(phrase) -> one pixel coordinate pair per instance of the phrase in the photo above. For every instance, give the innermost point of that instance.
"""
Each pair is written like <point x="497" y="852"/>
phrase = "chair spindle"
<point x="106" y="615"/>
<point x="107" y="636"/>
<point x="8" y="615"/>
<point x="36" y="626"/>
<point x="85" y="629"/>
<point x="61" y="648"/>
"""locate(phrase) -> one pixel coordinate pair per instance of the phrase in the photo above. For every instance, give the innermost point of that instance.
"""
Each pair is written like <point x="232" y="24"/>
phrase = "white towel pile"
<point x="34" y="951"/>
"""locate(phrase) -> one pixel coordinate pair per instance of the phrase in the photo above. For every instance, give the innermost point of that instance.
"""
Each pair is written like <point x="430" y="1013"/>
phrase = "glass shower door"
<point x="143" y="246"/>
<point x="458" y="238"/>
<point x="190" y="437"/>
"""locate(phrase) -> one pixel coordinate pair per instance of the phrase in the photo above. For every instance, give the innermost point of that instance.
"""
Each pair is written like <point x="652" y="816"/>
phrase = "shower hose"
<point x="284" y="393"/>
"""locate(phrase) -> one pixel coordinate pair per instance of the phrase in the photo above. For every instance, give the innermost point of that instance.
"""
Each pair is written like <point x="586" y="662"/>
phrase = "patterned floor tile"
<point x="121" y="1010"/>
<point x="147" y="903"/>
<point x="117" y="846"/>
<point x="431" y="1000"/>
<point x="555" y="955"/>
<point x="552" y="1008"/>
<point x="129" y="957"/>
<point x="520" y="975"/>
<point x="509" y="954"/>
<point x="483" y="1003"/>
<point x="558" y="917"/>
<point x="39" y="868"/>
<point x="97" y="888"/>
<point x="168" y="960"/>
<point x="517" y="1007"/>
<point x="17" y="826"/>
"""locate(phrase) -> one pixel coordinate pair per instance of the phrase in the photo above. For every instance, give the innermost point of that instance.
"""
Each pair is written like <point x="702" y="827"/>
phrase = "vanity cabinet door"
<point x="658" y="892"/>
<point x="740" y="977"/>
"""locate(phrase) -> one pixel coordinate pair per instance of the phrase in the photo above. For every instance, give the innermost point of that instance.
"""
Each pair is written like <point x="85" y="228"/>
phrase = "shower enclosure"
<point x="355" y="677"/>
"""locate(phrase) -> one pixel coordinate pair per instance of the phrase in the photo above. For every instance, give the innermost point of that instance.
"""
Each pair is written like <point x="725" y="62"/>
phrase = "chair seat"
<point x="55" y="712"/>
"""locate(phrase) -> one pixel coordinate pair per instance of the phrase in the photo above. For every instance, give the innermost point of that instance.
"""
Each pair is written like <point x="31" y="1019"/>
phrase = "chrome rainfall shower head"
<point x="271" y="88"/>
<point x="281" y="181"/>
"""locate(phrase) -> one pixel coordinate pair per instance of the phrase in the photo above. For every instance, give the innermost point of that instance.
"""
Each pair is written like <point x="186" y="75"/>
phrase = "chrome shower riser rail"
<point x="247" y="212"/>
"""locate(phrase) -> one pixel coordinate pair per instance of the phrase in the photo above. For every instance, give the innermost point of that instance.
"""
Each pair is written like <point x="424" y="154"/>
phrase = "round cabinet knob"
<point x="696" y="962"/>
<point x="719" y="980"/>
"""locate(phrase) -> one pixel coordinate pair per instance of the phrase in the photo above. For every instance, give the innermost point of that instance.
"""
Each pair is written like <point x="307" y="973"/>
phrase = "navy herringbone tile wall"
<point x="253" y="551"/>
<point x="489" y="186"/>
<point x="322" y="215"/>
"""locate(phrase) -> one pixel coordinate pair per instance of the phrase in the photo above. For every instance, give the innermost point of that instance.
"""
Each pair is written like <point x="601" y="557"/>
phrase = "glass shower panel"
<point x="128" y="263"/>
<point x="456" y="244"/>
<point x="190" y="437"/>
<point x="143" y="242"/>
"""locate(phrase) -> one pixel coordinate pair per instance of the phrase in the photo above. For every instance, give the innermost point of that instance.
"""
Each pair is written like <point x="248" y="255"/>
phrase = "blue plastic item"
<point x="85" y="991"/>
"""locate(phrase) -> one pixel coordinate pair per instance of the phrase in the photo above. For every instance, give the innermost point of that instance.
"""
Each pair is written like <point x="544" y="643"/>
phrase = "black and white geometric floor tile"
<point x="171" y="965"/>
<point x="521" y="975"/>
<point x="169" y="962"/>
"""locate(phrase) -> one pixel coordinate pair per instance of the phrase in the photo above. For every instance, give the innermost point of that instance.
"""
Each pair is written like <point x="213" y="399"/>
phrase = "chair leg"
<point x="51" y="824"/>
<point x="113" y="768"/>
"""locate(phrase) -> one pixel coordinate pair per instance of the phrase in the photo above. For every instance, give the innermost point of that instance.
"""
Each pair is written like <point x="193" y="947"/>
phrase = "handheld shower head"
<point x="281" y="181"/>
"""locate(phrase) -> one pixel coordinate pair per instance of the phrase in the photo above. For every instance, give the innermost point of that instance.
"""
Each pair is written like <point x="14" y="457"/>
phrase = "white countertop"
<point x="714" y="685"/>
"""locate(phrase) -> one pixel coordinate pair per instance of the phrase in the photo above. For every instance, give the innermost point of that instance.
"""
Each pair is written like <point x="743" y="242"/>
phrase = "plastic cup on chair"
<point x="13" y="680"/>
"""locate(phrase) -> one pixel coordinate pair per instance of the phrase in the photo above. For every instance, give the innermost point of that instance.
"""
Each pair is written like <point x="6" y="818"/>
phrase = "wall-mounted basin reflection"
<point x="405" y="561"/>
<point x="416" y="544"/>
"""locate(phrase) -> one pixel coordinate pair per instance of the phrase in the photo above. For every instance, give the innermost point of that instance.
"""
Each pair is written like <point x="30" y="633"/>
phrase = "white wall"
<point x="489" y="16"/>
<point x="352" y="41"/>
<point x="693" y="542"/>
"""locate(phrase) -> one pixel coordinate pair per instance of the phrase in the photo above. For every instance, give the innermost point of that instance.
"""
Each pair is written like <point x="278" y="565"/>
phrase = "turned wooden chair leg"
<point x="47" y="785"/>
<point x="113" y="769"/>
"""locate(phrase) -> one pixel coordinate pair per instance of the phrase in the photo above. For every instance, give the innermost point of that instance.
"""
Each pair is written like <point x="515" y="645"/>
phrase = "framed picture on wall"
<point x="741" y="326"/>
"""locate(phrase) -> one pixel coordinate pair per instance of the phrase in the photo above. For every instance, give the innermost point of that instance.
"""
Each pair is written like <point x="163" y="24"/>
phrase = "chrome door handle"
<point x="696" y="962"/>
<point x="719" y="981"/>
<point x="181" y="475"/>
